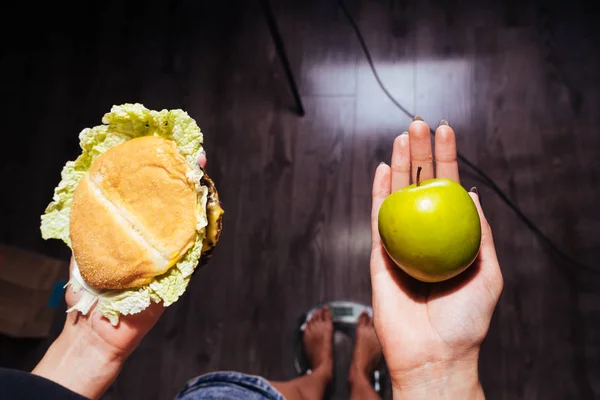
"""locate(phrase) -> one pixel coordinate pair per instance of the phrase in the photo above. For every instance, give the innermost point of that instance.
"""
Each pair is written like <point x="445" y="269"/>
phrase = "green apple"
<point x="430" y="229"/>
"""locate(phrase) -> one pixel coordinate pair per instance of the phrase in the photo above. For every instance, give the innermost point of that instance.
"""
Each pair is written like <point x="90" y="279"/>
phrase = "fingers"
<point x="487" y="252"/>
<point x="445" y="153"/>
<point x="145" y="320"/>
<point x="420" y="150"/>
<point x="71" y="266"/>
<point x="401" y="162"/>
<point x="487" y="241"/>
<point x="381" y="190"/>
<point x="202" y="160"/>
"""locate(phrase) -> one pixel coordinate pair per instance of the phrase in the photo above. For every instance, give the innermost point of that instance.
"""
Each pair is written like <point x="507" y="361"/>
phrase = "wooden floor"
<point x="519" y="81"/>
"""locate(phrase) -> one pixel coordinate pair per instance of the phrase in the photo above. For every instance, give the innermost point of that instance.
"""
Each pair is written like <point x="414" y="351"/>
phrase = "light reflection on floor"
<point x="435" y="89"/>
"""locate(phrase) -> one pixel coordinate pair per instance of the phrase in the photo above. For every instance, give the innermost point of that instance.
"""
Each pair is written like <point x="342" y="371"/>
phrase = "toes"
<point x="315" y="317"/>
<point x="310" y="320"/>
<point x="363" y="319"/>
<point x="319" y="315"/>
<point x="327" y="314"/>
<point x="322" y="311"/>
<point x="369" y="319"/>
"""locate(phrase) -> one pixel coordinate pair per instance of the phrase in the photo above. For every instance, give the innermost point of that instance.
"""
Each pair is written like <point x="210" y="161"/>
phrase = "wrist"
<point x="80" y="362"/>
<point x="453" y="379"/>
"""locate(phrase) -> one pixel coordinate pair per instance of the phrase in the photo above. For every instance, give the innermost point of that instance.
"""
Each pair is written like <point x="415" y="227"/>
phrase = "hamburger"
<point x="137" y="211"/>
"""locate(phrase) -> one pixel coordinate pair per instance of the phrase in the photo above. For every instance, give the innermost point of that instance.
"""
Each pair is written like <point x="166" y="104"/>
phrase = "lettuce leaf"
<point x="123" y="123"/>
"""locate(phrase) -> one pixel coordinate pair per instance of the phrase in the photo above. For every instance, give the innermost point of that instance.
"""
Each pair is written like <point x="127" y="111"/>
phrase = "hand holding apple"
<point x="430" y="229"/>
<point x="430" y="332"/>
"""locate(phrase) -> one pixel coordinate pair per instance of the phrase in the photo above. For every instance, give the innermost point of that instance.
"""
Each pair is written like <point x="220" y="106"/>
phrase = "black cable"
<point x="487" y="180"/>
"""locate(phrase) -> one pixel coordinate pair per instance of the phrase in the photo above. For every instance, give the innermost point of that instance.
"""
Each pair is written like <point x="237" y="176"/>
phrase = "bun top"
<point x="133" y="215"/>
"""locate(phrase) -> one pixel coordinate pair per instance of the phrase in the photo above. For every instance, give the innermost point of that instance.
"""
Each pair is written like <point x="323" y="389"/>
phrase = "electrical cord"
<point x="486" y="178"/>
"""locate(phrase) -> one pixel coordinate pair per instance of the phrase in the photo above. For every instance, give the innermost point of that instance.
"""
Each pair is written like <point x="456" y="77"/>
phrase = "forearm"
<point x="448" y="380"/>
<point x="79" y="365"/>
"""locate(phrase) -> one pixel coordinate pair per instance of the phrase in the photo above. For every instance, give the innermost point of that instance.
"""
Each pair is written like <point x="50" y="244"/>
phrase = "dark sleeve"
<point x="23" y="385"/>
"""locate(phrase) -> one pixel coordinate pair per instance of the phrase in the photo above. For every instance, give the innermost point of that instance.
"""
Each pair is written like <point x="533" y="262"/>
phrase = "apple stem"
<point x="419" y="176"/>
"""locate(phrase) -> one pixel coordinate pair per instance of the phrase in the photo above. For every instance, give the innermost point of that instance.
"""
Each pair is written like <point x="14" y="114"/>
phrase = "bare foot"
<point x="318" y="342"/>
<point x="367" y="350"/>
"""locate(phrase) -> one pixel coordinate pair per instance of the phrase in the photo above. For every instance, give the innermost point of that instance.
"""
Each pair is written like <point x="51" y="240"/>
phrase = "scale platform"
<point x="342" y="312"/>
<point x="345" y="316"/>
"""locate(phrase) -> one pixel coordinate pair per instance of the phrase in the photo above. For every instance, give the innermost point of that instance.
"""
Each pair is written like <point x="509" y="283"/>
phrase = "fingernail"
<point x="443" y="122"/>
<point x="381" y="163"/>
<point x="417" y="118"/>
<point x="405" y="133"/>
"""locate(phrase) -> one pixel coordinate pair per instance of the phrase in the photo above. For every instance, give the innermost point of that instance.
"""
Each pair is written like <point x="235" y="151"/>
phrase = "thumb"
<point x="202" y="159"/>
<point x="381" y="190"/>
<point x="487" y="240"/>
<point x="487" y="252"/>
<point x="71" y="266"/>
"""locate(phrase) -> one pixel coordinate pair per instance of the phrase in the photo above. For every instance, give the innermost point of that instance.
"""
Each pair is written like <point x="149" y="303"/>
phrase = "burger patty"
<point x="214" y="214"/>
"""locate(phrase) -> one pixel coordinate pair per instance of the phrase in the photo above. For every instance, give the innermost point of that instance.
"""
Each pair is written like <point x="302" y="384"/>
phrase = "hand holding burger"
<point x="139" y="213"/>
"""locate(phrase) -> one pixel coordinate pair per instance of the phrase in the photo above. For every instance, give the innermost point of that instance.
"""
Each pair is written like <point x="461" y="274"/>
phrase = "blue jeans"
<point x="228" y="385"/>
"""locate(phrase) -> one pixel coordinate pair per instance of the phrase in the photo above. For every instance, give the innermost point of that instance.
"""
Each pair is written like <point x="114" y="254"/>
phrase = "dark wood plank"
<point x="540" y="308"/>
<point x="323" y="53"/>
